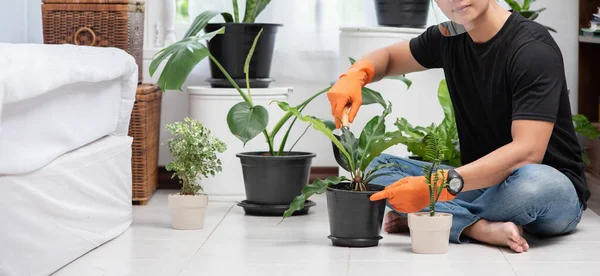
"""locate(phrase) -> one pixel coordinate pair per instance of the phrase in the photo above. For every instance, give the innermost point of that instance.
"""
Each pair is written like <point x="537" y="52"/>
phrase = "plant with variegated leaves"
<point x="194" y="151"/>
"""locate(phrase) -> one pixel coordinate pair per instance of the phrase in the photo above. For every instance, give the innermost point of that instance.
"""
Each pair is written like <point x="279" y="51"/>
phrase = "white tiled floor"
<point x="234" y="244"/>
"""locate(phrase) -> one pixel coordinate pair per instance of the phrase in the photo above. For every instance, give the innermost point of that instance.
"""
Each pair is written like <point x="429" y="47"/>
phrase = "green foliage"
<point x="584" y="127"/>
<point x="319" y="186"/>
<point x="416" y="137"/>
<point x="194" y="151"/>
<point x="434" y="177"/>
<point x="525" y="11"/>
<point x="357" y="153"/>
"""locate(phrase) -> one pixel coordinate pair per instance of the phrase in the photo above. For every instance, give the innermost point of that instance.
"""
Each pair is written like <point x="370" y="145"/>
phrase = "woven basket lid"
<point x="93" y="1"/>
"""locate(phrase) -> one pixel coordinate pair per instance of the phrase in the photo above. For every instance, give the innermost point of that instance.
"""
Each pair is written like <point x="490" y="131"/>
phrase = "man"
<point x="522" y="167"/>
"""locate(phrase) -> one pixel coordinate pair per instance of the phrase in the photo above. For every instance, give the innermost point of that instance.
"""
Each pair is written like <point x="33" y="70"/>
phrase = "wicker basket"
<point x="103" y="23"/>
<point x="144" y="128"/>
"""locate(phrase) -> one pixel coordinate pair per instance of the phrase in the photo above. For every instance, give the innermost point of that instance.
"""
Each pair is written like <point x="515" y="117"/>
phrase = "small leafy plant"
<point x="194" y="151"/>
<point x="357" y="154"/>
<point x="584" y="127"/>
<point x="447" y="132"/>
<point x="434" y="177"/>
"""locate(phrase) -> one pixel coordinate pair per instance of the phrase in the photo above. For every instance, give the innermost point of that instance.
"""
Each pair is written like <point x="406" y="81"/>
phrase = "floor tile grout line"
<point x="348" y="264"/>
<point x="208" y="237"/>
<point x="507" y="261"/>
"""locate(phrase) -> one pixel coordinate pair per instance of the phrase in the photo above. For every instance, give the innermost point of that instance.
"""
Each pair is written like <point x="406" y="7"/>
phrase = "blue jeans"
<point x="537" y="197"/>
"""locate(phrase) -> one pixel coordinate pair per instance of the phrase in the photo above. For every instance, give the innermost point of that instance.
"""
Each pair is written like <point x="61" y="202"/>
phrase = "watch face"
<point x="454" y="184"/>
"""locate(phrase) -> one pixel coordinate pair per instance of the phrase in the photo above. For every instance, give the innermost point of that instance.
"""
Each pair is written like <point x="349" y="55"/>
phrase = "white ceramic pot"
<point x="429" y="235"/>
<point x="210" y="106"/>
<point x="188" y="211"/>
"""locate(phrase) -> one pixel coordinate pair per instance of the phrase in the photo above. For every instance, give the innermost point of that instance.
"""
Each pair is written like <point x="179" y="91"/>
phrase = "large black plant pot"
<point x="272" y="182"/>
<point x="354" y="220"/>
<point x="231" y="48"/>
<point x="402" y="13"/>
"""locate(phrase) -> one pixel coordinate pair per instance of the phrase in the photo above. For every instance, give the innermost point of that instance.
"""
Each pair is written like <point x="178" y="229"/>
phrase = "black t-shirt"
<point x="518" y="74"/>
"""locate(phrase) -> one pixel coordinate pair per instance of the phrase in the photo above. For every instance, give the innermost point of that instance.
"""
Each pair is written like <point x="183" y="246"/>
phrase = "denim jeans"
<point x="537" y="197"/>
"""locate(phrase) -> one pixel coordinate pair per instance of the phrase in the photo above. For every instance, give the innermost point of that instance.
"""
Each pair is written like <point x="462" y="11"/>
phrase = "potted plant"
<point x="194" y="151"/>
<point x="430" y="231"/>
<point x="416" y="137"/>
<point x="232" y="46"/>
<point x="354" y="220"/>
<point x="273" y="177"/>
<point x="402" y="13"/>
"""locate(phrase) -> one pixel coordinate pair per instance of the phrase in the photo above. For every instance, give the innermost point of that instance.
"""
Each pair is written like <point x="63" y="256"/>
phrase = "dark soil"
<point x="346" y="186"/>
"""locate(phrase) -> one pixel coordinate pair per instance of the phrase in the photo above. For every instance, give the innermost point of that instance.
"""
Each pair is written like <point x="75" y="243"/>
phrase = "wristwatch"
<point x="455" y="182"/>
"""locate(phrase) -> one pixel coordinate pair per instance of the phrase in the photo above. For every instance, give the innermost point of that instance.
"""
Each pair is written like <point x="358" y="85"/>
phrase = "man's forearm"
<point x="495" y="167"/>
<point x="380" y="59"/>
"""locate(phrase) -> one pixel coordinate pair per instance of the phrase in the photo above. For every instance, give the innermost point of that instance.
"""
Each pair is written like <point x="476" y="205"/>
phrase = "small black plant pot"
<point x="354" y="220"/>
<point x="402" y="13"/>
<point x="231" y="48"/>
<point x="274" y="181"/>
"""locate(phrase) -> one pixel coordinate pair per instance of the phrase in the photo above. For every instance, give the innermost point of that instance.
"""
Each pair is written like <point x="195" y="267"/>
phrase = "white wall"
<point x="21" y="21"/>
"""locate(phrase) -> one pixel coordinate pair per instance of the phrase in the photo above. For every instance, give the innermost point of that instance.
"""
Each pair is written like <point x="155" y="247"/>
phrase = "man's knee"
<point x="383" y="158"/>
<point x="538" y="182"/>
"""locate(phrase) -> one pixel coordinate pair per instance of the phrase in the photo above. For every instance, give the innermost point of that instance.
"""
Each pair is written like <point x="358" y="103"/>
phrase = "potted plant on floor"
<point x="354" y="220"/>
<point x="194" y="151"/>
<point x="430" y="231"/>
<point x="272" y="178"/>
<point x="232" y="46"/>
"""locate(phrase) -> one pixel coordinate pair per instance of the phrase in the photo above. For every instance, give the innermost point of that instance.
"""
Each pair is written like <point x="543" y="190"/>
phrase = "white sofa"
<point x="65" y="157"/>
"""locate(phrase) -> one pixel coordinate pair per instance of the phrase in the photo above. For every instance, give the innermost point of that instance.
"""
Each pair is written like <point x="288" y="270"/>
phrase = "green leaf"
<point x="254" y="8"/>
<point x="200" y="23"/>
<point x="445" y="101"/>
<point x="401" y="78"/>
<point x="227" y="17"/>
<point x="380" y="145"/>
<point x="236" y="12"/>
<point x="246" y="122"/>
<point x="584" y="127"/>
<point x="319" y="186"/>
<point x="183" y="56"/>
<point x="527" y="4"/>
<point x="371" y="175"/>
<point x="513" y="5"/>
<point x="373" y="131"/>
<point x="317" y="125"/>
<point x="550" y="29"/>
<point x="330" y="124"/>
<point x="250" y="53"/>
<point x="351" y="144"/>
<point x="261" y="7"/>
<point x="370" y="96"/>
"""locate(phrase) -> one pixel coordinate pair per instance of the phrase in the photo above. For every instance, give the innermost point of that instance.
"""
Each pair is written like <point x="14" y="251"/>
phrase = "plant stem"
<point x="245" y="97"/>
<point x="297" y="140"/>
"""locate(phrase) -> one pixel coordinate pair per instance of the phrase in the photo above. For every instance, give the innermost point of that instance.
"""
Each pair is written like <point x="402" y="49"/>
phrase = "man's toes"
<point x="515" y="247"/>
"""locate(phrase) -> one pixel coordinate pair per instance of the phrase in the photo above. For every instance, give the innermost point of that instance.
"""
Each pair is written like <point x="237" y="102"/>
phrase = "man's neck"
<point x="489" y="23"/>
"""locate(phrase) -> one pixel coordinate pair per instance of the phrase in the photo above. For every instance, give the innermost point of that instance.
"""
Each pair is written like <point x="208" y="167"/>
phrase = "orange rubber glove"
<point x="411" y="194"/>
<point x="347" y="91"/>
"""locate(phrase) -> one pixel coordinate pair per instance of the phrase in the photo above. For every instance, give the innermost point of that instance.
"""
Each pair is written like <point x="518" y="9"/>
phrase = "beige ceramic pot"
<point x="429" y="235"/>
<point x="187" y="211"/>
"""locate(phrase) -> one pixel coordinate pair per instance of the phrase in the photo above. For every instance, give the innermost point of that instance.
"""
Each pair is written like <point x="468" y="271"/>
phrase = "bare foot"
<point x="498" y="233"/>
<point x="395" y="223"/>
